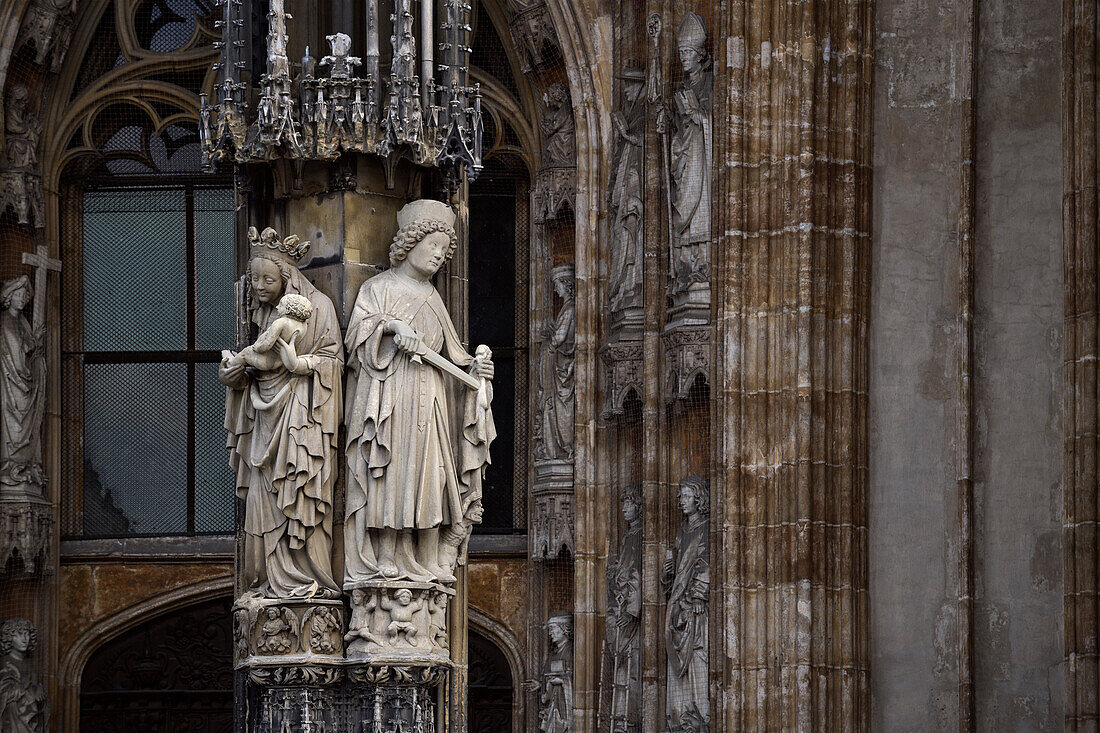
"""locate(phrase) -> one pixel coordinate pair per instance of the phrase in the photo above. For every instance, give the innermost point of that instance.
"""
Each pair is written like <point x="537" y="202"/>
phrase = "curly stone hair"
<point x="296" y="306"/>
<point x="633" y="493"/>
<point x="13" y="626"/>
<point x="411" y="235"/>
<point x="701" y="488"/>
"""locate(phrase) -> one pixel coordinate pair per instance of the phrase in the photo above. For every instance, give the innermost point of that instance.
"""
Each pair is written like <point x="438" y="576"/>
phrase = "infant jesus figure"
<point x="294" y="310"/>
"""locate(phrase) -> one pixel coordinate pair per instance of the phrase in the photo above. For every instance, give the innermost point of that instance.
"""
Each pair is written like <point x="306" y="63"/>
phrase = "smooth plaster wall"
<point x="1017" y="364"/>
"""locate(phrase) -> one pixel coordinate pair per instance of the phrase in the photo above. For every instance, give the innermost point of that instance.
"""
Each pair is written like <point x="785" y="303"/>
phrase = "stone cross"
<point x="42" y="262"/>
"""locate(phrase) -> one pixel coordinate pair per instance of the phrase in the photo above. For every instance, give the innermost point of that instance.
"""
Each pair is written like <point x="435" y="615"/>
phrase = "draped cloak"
<point x="624" y="601"/>
<point x="282" y="443"/>
<point x="23" y="704"/>
<point x="627" y="210"/>
<point x="411" y="466"/>
<point x="22" y="381"/>
<point x="686" y="635"/>
<point x="692" y="150"/>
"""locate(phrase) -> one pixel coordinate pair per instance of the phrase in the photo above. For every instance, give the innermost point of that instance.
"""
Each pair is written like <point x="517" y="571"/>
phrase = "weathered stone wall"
<point x="966" y="389"/>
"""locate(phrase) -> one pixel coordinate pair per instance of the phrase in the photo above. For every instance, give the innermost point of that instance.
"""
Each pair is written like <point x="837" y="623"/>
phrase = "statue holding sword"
<point x="418" y="412"/>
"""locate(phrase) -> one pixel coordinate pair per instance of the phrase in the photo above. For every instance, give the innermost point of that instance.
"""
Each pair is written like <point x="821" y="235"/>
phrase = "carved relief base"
<point x="272" y="636"/>
<point x="382" y="698"/>
<point x="25" y="530"/>
<point x="400" y="621"/>
<point x="687" y="356"/>
<point x="552" y="509"/>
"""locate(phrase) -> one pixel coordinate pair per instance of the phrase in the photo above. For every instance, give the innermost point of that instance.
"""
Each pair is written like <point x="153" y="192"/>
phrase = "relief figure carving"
<point x="283" y="407"/>
<point x="686" y="580"/>
<point x="24" y="707"/>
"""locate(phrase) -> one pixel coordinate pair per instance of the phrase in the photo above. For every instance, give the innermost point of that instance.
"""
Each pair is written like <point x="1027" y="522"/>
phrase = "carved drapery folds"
<point x="622" y="684"/>
<point x="555" y="685"/>
<point x="626" y="207"/>
<point x="556" y="180"/>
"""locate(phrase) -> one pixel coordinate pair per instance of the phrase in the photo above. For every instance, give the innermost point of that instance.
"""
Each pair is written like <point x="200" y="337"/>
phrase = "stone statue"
<point x="691" y="152"/>
<point x="282" y="425"/>
<point x="418" y="429"/>
<point x="626" y="202"/>
<point x="20" y="179"/>
<point x="22" y="394"/>
<point x="556" y="686"/>
<point x="686" y="580"/>
<point x="624" y="613"/>
<point x="554" y="434"/>
<point x="559" y="133"/>
<point x="342" y="64"/>
<point x="23" y="704"/>
<point x="277" y="631"/>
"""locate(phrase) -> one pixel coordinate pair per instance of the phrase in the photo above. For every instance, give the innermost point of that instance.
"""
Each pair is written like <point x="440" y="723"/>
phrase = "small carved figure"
<point x="437" y="625"/>
<point x="627" y="205"/>
<point x="416" y="448"/>
<point x="324" y="632"/>
<point x="556" y="686"/>
<point x="22" y="129"/>
<point x="276" y="633"/>
<point x="686" y="579"/>
<point x="23" y="704"/>
<point x="624" y="612"/>
<point x="453" y="541"/>
<point x="559" y="134"/>
<point x="22" y="393"/>
<point x="403" y="610"/>
<point x="294" y="310"/>
<point x="556" y="382"/>
<point x="240" y="633"/>
<point x="363" y="605"/>
<point x="342" y="65"/>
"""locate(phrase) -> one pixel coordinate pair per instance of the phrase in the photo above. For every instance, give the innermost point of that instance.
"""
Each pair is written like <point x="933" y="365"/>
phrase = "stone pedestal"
<point x="399" y="621"/>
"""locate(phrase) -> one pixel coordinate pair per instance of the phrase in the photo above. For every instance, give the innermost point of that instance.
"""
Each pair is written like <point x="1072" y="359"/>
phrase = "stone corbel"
<point x="25" y="530"/>
<point x="552" y="510"/>
<point x="554" y="192"/>
<point x="687" y="357"/>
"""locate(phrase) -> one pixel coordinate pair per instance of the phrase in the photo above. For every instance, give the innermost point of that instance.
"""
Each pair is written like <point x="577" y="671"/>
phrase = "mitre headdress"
<point x="692" y="33"/>
<point x="425" y="209"/>
<point x="291" y="249"/>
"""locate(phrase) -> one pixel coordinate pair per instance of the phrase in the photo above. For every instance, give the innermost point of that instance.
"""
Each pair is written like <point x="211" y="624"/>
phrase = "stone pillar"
<point x="792" y="164"/>
<point x="1080" y="42"/>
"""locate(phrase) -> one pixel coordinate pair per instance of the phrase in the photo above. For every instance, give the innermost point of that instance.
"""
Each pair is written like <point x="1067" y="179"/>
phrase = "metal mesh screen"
<point x="154" y="290"/>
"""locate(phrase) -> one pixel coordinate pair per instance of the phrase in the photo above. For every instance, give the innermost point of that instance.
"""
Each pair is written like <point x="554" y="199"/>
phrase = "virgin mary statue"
<point x="282" y="426"/>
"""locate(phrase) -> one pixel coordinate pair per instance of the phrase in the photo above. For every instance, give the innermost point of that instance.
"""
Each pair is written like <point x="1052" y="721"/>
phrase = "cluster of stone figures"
<point x="416" y="411"/>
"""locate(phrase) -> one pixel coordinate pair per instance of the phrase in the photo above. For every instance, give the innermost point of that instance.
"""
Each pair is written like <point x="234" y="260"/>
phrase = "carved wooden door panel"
<point x="172" y="674"/>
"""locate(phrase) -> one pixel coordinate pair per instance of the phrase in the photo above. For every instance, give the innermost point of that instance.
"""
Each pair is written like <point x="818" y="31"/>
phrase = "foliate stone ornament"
<point x="24" y="707"/>
<point x="282" y="423"/>
<point x="533" y="34"/>
<point x="556" y="180"/>
<point x="687" y="357"/>
<point x="555" y="686"/>
<point x="685" y="577"/>
<point x="622" y="646"/>
<point x="627" y="207"/>
<point x="687" y="121"/>
<point x="20" y="177"/>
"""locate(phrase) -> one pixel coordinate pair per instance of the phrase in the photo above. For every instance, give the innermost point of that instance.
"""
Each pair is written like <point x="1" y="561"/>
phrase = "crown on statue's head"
<point x="291" y="249"/>
<point x="425" y="209"/>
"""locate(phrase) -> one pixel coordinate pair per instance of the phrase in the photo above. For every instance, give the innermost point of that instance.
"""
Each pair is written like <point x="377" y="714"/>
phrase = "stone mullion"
<point x="1080" y="242"/>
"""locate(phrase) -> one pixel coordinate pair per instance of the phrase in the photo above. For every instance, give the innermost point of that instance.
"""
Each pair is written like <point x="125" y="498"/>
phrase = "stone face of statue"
<point x="21" y="641"/>
<point x="425" y="259"/>
<point x="690" y="59"/>
<point x="19" y="300"/>
<point x="630" y="510"/>
<point x="267" y="280"/>
<point x="557" y="634"/>
<point x="687" y="500"/>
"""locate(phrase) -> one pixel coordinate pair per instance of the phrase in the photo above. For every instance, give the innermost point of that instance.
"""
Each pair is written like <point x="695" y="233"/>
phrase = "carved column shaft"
<point x="789" y="642"/>
<point x="1080" y="44"/>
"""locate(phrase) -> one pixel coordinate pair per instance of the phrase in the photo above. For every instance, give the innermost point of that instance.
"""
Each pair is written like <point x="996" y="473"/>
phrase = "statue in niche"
<point x="22" y="129"/>
<point x="691" y="152"/>
<point x="419" y="427"/>
<point x="624" y="613"/>
<point x="23" y="704"/>
<point x="282" y="423"/>
<point x="554" y="434"/>
<point x="626" y="203"/>
<point x="686" y="579"/>
<point x="559" y="148"/>
<point x="556" y="686"/>
<point x="22" y="394"/>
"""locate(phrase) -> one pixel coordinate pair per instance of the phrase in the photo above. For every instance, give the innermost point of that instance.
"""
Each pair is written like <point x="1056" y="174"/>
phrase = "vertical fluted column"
<point x="792" y="169"/>
<point x="1080" y="240"/>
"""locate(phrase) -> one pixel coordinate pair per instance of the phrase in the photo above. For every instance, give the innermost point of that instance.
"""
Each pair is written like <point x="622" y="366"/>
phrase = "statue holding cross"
<point x="23" y="380"/>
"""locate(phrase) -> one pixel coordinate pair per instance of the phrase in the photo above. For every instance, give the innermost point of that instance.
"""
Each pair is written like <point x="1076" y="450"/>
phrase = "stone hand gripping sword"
<point x="444" y="365"/>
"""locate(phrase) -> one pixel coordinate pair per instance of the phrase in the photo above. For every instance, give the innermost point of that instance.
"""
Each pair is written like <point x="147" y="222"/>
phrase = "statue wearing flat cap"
<point x="418" y="417"/>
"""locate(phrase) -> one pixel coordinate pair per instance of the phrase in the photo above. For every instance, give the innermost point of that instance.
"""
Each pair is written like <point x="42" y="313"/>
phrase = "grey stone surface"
<point x="1017" y="363"/>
